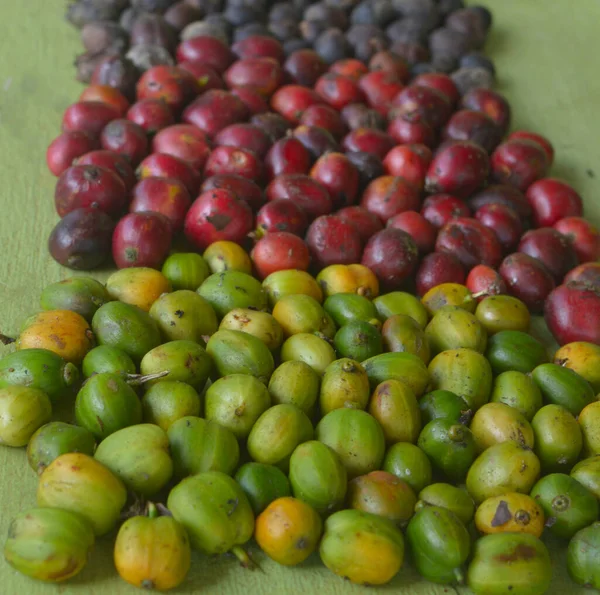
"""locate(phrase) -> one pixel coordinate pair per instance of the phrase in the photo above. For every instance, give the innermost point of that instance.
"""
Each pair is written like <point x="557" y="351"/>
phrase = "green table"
<point x="546" y="54"/>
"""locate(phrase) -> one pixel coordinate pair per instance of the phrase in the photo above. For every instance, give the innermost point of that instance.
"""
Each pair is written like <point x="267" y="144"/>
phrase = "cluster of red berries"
<point x="319" y="165"/>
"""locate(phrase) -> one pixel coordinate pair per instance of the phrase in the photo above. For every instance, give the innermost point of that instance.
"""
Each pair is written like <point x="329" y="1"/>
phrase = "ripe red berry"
<point x="406" y="132"/>
<point x="244" y="136"/>
<point x="439" y="209"/>
<point x="338" y="91"/>
<point x="350" y="68"/>
<point x="392" y="63"/>
<point x="505" y="223"/>
<point x="245" y="189"/>
<point x="112" y="161"/>
<point x="171" y="84"/>
<point x="368" y="140"/>
<point x="419" y="229"/>
<point x="491" y="103"/>
<point x="333" y="241"/>
<point x="409" y="162"/>
<point x="366" y="224"/>
<point x="460" y="169"/>
<point x="536" y="138"/>
<point x="486" y="281"/>
<point x="527" y="278"/>
<point x="265" y="75"/>
<point x="583" y="235"/>
<point x="304" y="67"/>
<point x="88" y="116"/>
<point x="380" y="88"/>
<point x="291" y="100"/>
<point x="317" y="141"/>
<point x="280" y="251"/>
<point x="233" y="160"/>
<point x="161" y="165"/>
<point x="255" y="103"/>
<point x="307" y="193"/>
<point x="389" y="195"/>
<point x="552" y="248"/>
<point x="587" y="273"/>
<point x="339" y="176"/>
<point x="437" y="268"/>
<point x="106" y="94"/>
<point x="502" y="194"/>
<point x="473" y="126"/>
<point x="259" y="46"/>
<point x="325" y="117"/>
<point x="166" y="196"/>
<point x="125" y="138"/>
<point x="392" y="255"/>
<point x="572" y="313"/>
<point x="206" y="77"/>
<point x="552" y="200"/>
<point x="440" y="82"/>
<point x="472" y="242"/>
<point x="66" y="147"/>
<point x="151" y="114"/>
<point x="422" y="104"/>
<point x="215" y="110"/>
<point x="518" y="162"/>
<point x="89" y="186"/>
<point x="209" y="50"/>
<point x="185" y="142"/>
<point x="281" y="215"/>
<point x="287" y="156"/>
<point x="141" y="240"/>
<point x="217" y="215"/>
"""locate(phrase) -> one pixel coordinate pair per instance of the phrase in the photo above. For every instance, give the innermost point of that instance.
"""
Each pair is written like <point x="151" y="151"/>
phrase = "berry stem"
<point x="6" y="340"/>
<point x="242" y="555"/>
<point x="138" y="379"/>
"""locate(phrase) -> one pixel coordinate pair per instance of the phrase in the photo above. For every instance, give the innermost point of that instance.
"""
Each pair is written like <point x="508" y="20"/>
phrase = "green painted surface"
<point x="546" y="54"/>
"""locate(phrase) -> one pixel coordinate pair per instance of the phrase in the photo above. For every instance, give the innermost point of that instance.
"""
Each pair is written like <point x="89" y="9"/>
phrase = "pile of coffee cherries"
<point x="431" y="35"/>
<point x="311" y="164"/>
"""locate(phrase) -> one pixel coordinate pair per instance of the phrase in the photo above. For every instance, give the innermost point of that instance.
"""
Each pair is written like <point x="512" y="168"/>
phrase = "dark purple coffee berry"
<point x="332" y="46"/>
